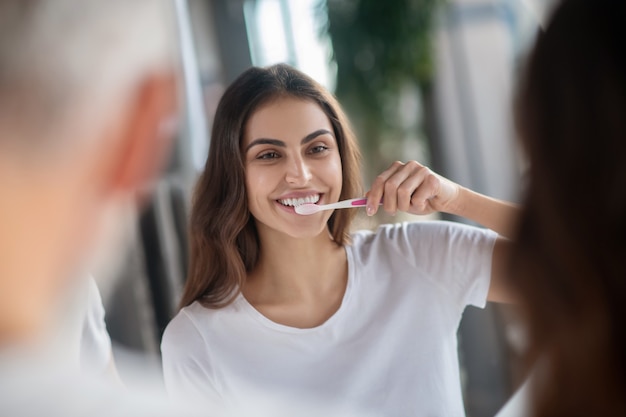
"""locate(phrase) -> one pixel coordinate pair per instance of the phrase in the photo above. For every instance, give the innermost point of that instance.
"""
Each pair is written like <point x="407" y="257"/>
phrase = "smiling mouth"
<point x="294" y="202"/>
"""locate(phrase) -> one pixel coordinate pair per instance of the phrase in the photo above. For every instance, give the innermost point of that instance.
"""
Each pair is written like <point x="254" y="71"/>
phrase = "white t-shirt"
<point x="33" y="386"/>
<point x="80" y="338"/>
<point x="389" y="350"/>
<point x="95" y="343"/>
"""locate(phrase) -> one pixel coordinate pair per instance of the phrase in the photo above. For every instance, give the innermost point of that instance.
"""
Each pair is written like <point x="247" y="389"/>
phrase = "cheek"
<point x="335" y="172"/>
<point x="257" y="183"/>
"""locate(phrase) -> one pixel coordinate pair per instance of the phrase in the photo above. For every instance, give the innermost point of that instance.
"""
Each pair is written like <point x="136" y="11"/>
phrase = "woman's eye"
<point x="268" y="155"/>
<point x="318" y="149"/>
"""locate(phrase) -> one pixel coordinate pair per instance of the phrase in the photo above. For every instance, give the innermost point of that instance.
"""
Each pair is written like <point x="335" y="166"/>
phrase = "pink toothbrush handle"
<point x="359" y="203"/>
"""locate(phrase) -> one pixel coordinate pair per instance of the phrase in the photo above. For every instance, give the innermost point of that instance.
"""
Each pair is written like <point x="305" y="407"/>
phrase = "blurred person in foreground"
<point x="569" y="264"/>
<point x="87" y="95"/>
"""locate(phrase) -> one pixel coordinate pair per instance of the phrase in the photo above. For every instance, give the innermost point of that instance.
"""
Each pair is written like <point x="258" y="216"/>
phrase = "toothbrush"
<point x="310" y="208"/>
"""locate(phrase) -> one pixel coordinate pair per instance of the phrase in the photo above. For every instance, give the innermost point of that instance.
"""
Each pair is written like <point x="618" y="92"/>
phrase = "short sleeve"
<point x="186" y="365"/>
<point x="454" y="256"/>
<point x="95" y="342"/>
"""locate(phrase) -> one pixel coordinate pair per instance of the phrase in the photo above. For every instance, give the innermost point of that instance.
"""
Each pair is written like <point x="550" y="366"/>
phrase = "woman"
<point x="569" y="264"/>
<point x="294" y="308"/>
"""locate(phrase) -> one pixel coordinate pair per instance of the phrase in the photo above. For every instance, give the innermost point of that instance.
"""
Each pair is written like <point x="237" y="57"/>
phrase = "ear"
<point x="147" y="135"/>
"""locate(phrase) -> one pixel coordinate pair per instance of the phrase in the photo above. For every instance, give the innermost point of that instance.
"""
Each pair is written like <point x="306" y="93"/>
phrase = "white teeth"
<point x="293" y="202"/>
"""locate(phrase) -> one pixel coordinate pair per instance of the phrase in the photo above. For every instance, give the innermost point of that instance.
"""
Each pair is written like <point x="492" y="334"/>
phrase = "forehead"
<point x="287" y="119"/>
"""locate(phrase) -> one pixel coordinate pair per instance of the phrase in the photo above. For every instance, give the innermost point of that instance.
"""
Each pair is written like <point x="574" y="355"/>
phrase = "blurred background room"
<point x="430" y="80"/>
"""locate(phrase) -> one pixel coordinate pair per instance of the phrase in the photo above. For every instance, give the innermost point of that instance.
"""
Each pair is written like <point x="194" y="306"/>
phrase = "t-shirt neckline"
<point x="258" y="316"/>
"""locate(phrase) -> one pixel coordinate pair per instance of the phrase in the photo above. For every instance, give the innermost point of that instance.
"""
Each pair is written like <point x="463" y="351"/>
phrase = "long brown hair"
<point x="224" y="244"/>
<point x="569" y="261"/>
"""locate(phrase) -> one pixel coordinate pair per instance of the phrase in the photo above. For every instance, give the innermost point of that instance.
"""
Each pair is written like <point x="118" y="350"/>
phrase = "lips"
<point x="293" y="202"/>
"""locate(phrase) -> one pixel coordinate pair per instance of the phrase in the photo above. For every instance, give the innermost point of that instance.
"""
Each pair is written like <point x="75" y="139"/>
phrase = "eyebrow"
<point x="308" y="138"/>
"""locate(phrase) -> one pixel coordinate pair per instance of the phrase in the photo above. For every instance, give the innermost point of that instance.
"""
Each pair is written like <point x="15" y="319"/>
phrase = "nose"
<point x="298" y="172"/>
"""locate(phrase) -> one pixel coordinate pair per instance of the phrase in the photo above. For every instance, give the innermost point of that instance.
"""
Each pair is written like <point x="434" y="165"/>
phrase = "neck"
<point x="296" y="269"/>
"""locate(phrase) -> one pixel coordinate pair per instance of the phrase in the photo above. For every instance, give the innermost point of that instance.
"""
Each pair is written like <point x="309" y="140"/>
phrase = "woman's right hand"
<point x="413" y="188"/>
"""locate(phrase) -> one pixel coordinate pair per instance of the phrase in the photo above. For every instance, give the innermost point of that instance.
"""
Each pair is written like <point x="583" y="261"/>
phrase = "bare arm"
<point x="497" y="215"/>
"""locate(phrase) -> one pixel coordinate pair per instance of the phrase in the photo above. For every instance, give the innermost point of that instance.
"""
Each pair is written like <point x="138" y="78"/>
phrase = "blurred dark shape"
<point x="570" y="263"/>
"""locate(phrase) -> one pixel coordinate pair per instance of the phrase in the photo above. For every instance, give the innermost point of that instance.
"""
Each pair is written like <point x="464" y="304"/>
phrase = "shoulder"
<point x="455" y="257"/>
<point x="195" y="325"/>
<point x="187" y="352"/>
<point x="428" y="229"/>
<point x="414" y="235"/>
<point x="432" y="248"/>
<point x="184" y="328"/>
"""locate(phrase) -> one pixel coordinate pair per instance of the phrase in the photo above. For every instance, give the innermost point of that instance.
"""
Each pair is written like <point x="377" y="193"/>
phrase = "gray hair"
<point x="60" y="57"/>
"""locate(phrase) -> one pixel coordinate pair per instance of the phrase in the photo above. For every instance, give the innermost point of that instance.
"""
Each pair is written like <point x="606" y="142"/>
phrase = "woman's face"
<point x="291" y="157"/>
